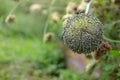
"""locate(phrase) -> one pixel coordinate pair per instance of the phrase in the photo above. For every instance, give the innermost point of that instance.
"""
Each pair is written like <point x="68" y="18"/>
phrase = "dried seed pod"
<point x="116" y="1"/>
<point x="35" y="8"/>
<point x="55" y="17"/>
<point x="82" y="33"/>
<point x="82" y="7"/>
<point x="66" y="16"/>
<point x="10" y="19"/>
<point x="103" y="49"/>
<point x="48" y="37"/>
<point x="71" y="8"/>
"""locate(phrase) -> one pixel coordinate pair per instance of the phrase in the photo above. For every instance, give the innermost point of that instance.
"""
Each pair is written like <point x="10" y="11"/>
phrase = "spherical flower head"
<point x="82" y="33"/>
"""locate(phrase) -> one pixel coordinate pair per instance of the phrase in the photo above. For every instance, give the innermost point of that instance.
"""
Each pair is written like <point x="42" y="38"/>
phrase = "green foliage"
<point x="51" y="60"/>
<point x="111" y="66"/>
<point x="12" y="48"/>
<point x="5" y="10"/>
<point x="70" y="75"/>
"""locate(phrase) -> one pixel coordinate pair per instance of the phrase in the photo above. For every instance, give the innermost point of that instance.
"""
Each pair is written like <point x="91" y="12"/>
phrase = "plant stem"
<point x="88" y="6"/>
<point x="16" y="6"/>
<point x="111" y="40"/>
<point x="90" y="67"/>
<point x="49" y="13"/>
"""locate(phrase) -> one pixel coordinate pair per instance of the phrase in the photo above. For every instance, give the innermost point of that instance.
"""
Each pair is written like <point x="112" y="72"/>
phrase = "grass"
<point x="19" y="49"/>
<point x="16" y="56"/>
<point x="20" y="56"/>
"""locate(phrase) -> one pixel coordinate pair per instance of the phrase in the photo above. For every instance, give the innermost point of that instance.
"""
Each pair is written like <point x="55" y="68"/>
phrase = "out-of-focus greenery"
<point x="24" y="55"/>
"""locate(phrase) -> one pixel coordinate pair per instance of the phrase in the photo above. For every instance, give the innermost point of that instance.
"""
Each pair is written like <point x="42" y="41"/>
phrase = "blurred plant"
<point x="111" y="65"/>
<point x="84" y="6"/>
<point x="48" y="37"/>
<point x="48" y="18"/>
<point x="35" y="8"/>
<point x="71" y="8"/>
<point x="55" y="17"/>
<point x="70" y="75"/>
<point x="10" y="19"/>
<point x="51" y="61"/>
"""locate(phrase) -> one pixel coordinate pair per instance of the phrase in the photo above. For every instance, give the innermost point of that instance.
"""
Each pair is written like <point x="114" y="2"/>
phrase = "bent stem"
<point x="91" y="65"/>
<point x="49" y="13"/>
<point x="16" y="6"/>
<point x="111" y="40"/>
<point x="88" y="6"/>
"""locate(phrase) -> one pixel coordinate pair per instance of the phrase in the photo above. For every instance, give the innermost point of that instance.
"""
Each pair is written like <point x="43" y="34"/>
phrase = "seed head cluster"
<point x="82" y="33"/>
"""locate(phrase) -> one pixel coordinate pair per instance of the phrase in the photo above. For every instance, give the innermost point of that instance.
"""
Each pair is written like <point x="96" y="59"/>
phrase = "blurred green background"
<point x="31" y="46"/>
